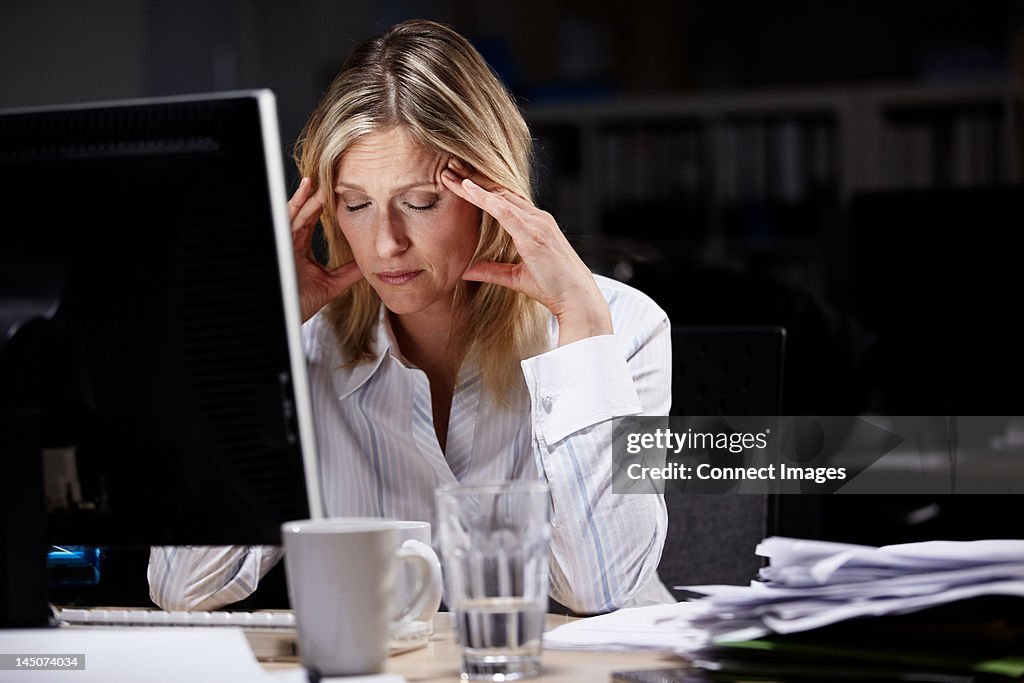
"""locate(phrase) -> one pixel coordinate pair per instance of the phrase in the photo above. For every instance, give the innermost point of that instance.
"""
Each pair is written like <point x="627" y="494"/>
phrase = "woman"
<point x="455" y="334"/>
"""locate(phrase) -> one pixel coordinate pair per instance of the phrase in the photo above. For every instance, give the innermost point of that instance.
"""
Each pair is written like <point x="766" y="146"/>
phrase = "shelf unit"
<point x="763" y="176"/>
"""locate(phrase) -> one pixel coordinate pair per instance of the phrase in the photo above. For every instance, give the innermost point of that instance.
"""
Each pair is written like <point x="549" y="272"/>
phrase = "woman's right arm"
<point x="317" y="285"/>
<point x="207" y="577"/>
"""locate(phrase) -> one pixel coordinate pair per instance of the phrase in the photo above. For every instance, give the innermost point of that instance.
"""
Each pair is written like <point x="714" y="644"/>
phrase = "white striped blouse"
<point x="380" y="456"/>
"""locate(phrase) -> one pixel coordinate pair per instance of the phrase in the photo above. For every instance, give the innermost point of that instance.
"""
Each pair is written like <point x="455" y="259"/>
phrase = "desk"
<point x="439" y="660"/>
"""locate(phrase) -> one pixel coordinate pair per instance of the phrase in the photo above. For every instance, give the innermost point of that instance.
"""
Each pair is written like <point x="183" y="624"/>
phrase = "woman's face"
<point x="411" y="237"/>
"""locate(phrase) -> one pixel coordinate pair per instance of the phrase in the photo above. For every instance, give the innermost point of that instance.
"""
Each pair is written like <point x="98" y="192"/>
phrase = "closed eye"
<point x="421" y="207"/>
<point x="353" y="209"/>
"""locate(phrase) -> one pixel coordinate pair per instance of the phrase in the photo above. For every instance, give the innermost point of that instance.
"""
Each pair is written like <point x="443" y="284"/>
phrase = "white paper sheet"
<point x="152" y="654"/>
<point x="825" y="559"/>
<point x="841" y="612"/>
<point x="657" y="627"/>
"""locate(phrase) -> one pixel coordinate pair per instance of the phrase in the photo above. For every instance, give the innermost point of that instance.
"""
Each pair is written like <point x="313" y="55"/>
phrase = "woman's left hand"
<point x="550" y="272"/>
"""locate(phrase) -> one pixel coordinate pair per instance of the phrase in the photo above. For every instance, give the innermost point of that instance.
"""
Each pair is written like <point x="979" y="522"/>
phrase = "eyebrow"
<point x="403" y="188"/>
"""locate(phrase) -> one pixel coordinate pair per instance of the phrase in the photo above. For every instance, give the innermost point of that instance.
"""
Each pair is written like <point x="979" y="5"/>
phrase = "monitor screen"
<point x="150" y="352"/>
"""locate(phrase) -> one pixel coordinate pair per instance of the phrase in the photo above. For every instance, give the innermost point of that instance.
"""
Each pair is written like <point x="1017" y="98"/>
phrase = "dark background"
<point x="867" y="324"/>
<point x="60" y="50"/>
<point x="897" y="277"/>
<point x="56" y="51"/>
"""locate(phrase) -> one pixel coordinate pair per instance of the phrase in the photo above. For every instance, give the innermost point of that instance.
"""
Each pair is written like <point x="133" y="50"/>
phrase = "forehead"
<point x="391" y="155"/>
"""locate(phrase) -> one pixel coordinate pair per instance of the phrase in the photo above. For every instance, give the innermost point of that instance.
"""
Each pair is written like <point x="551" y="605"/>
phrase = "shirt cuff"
<point x="579" y="385"/>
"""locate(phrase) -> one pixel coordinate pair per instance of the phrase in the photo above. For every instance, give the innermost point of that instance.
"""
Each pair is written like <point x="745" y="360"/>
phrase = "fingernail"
<point x="456" y="163"/>
<point x="450" y="174"/>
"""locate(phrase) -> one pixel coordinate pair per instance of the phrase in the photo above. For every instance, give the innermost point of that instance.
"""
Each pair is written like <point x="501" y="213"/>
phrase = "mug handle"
<point x="427" y="600"/>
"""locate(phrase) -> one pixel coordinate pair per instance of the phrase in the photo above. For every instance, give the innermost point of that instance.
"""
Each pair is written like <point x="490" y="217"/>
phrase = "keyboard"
<point x="145" y="617"/>
<point x="271" y="634"/>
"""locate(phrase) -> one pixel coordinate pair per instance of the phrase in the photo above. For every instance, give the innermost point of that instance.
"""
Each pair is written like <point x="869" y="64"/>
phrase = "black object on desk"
<point x="674" y="675"/>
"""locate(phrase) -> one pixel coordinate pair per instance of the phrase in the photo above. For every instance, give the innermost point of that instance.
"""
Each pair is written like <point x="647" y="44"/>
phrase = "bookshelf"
<point x="763" y="178"/>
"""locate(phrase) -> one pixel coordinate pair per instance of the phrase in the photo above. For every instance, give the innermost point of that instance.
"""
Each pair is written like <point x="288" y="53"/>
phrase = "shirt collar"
<point x="349" y="378"/>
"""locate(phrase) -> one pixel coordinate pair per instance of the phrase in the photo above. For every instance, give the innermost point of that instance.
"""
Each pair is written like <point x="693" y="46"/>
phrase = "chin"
<point x="403" y="305"/>
<point x="402" y="310"/>
<point x="412" y="302"/>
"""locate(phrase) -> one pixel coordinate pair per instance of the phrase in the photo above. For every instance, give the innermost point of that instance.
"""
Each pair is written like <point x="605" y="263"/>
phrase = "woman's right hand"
<point x="317" y="285"/>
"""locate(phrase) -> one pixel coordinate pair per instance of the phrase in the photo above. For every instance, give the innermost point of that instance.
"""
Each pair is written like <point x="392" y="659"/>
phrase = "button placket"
<point x="424" y="434"/>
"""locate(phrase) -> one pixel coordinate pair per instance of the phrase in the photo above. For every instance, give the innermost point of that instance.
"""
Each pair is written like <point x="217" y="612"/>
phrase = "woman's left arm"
<point x="605" y="545"/>
<point x="551" y="272"/>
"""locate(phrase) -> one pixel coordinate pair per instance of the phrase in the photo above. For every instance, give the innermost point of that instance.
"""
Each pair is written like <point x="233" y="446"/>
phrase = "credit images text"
<point x="818" y="454"/>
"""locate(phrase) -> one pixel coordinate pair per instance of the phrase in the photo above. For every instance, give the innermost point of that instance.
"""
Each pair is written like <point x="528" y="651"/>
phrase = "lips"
<point x="397" y="277"/>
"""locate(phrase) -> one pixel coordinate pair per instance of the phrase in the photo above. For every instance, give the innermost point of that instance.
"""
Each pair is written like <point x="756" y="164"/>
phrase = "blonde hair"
<point x="431" y="81"/>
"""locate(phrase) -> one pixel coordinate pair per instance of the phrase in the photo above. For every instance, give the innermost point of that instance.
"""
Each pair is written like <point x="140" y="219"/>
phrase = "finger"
<point x="344" y="276"/>
<point x="301" y="193"/>
<point x="320" y="285"/>
<point x="525" y="205"/>
<point x="519" y="200"/>
<point x="308" y="213"/>
<point x="510" y="216"/>
<point x="464" y="170"/>
<point x="503" y="274"/>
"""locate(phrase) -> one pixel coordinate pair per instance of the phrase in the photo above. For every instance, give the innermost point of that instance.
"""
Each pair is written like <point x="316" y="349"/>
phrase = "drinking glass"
<point x="494" y="540"/>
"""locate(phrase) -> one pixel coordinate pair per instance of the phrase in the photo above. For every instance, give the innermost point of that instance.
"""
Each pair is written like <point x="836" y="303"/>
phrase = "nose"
<point x="390" y="237"/>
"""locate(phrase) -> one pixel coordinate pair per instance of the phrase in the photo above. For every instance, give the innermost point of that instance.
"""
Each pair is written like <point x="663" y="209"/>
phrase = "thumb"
<point x="344" y="276"/>
<point x="502" y="274"/>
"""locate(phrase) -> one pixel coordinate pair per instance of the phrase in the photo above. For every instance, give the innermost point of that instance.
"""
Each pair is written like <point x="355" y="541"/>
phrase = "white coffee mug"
<point x="344" y="584"/>
<point x="413" y="623"/>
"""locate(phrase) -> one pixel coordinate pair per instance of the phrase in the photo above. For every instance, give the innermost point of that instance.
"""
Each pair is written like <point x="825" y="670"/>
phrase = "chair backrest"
<point x="727" y="370"/>
<point x="720" y="371"/>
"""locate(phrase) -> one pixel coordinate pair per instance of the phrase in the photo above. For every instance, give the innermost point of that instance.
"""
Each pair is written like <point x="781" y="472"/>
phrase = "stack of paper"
<point x="810" y="584"/>
<point x="826" y="609"/>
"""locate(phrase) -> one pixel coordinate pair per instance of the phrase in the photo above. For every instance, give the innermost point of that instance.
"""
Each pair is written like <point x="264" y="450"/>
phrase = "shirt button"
<point x="546" y="400"/>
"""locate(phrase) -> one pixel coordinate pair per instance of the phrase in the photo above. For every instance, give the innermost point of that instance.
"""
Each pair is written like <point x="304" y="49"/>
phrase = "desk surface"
<point x="439" y="660"/>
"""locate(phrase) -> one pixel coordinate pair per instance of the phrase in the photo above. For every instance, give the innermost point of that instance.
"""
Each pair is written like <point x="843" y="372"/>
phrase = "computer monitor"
<point x="150" y="351"/>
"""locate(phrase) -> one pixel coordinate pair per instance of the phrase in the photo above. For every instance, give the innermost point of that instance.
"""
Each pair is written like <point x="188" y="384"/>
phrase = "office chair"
<point x="727" y="370"/>
<point x="720" y="371"/>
